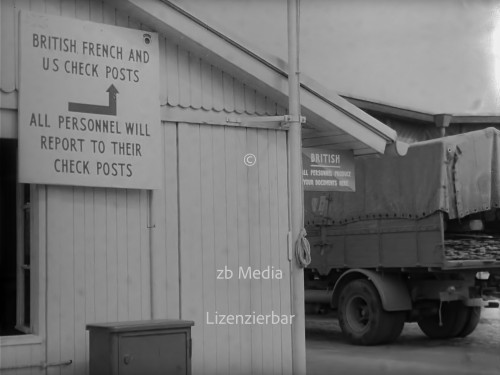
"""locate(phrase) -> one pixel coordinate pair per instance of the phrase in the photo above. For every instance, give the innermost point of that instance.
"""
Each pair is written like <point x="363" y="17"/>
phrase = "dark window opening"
<point x="14" y="245"/>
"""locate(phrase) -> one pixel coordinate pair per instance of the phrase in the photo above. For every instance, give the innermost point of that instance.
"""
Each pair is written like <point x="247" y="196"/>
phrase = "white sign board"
<point x="89" y="110"/>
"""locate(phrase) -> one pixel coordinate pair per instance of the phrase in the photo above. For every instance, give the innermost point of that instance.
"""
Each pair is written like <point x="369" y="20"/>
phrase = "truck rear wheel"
<point x="362" y="318"/>
<point x="471" y="322"/>
<point x="454" y="316"/>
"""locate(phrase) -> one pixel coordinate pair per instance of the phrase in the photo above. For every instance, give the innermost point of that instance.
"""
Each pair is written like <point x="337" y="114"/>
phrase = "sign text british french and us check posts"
<point x="89" y="104"/>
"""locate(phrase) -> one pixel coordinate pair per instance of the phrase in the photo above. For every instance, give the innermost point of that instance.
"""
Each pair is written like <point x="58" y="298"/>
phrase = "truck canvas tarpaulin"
<point x="458" y="175"/>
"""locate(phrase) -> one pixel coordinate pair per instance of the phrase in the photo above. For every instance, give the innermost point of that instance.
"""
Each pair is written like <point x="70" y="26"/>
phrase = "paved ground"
<point x="413" y="353"/>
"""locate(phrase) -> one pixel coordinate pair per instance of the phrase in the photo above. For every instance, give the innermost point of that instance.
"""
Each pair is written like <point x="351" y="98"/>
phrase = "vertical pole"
<point x="295" y="180"/>
<point x="442" y="121"/>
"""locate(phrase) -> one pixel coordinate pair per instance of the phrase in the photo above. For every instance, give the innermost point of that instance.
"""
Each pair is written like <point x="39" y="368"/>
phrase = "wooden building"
<point x="82" y="254"/>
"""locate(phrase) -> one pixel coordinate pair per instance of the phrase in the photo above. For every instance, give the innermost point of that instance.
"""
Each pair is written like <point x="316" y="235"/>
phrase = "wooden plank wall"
<point x="165" y="234"/>
<point x="98" y="266"/>
<point x="232" y="215"/>
<point x="22" y="355"/>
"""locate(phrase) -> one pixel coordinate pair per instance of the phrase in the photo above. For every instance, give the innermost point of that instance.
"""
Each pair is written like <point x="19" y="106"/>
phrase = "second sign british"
<point x="327" y="170"/>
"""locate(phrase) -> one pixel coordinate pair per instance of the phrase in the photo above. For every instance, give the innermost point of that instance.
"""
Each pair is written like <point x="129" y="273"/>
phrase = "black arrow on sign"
<point x="109" y="110"/>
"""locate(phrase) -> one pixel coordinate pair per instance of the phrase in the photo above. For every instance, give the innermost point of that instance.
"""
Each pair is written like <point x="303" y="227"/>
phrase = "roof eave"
<point x="268" y="75"/>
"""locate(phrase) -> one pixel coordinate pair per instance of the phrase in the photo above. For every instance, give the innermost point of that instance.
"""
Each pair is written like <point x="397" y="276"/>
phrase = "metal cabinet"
<point x="150" y="347"/>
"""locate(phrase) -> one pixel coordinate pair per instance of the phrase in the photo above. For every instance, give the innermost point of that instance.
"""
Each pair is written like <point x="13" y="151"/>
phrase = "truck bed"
<point x="481" y="247"/>
<point x="396" y="243"/>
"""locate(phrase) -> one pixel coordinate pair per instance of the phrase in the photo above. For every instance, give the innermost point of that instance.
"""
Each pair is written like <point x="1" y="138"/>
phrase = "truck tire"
<point x="453" y="318"/>
<point x="362" y="318"/>
<point x="471" y="322"/>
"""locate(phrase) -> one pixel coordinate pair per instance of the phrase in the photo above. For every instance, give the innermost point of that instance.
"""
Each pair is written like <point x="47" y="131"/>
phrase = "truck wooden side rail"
<point x="419" y="240"/>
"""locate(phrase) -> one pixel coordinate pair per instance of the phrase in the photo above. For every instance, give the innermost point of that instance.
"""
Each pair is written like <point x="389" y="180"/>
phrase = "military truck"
<point x="418" y="241"/>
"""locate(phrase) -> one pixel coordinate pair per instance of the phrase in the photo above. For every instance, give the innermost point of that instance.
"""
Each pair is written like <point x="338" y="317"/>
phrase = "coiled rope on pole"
<point x="303" y="249"/>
